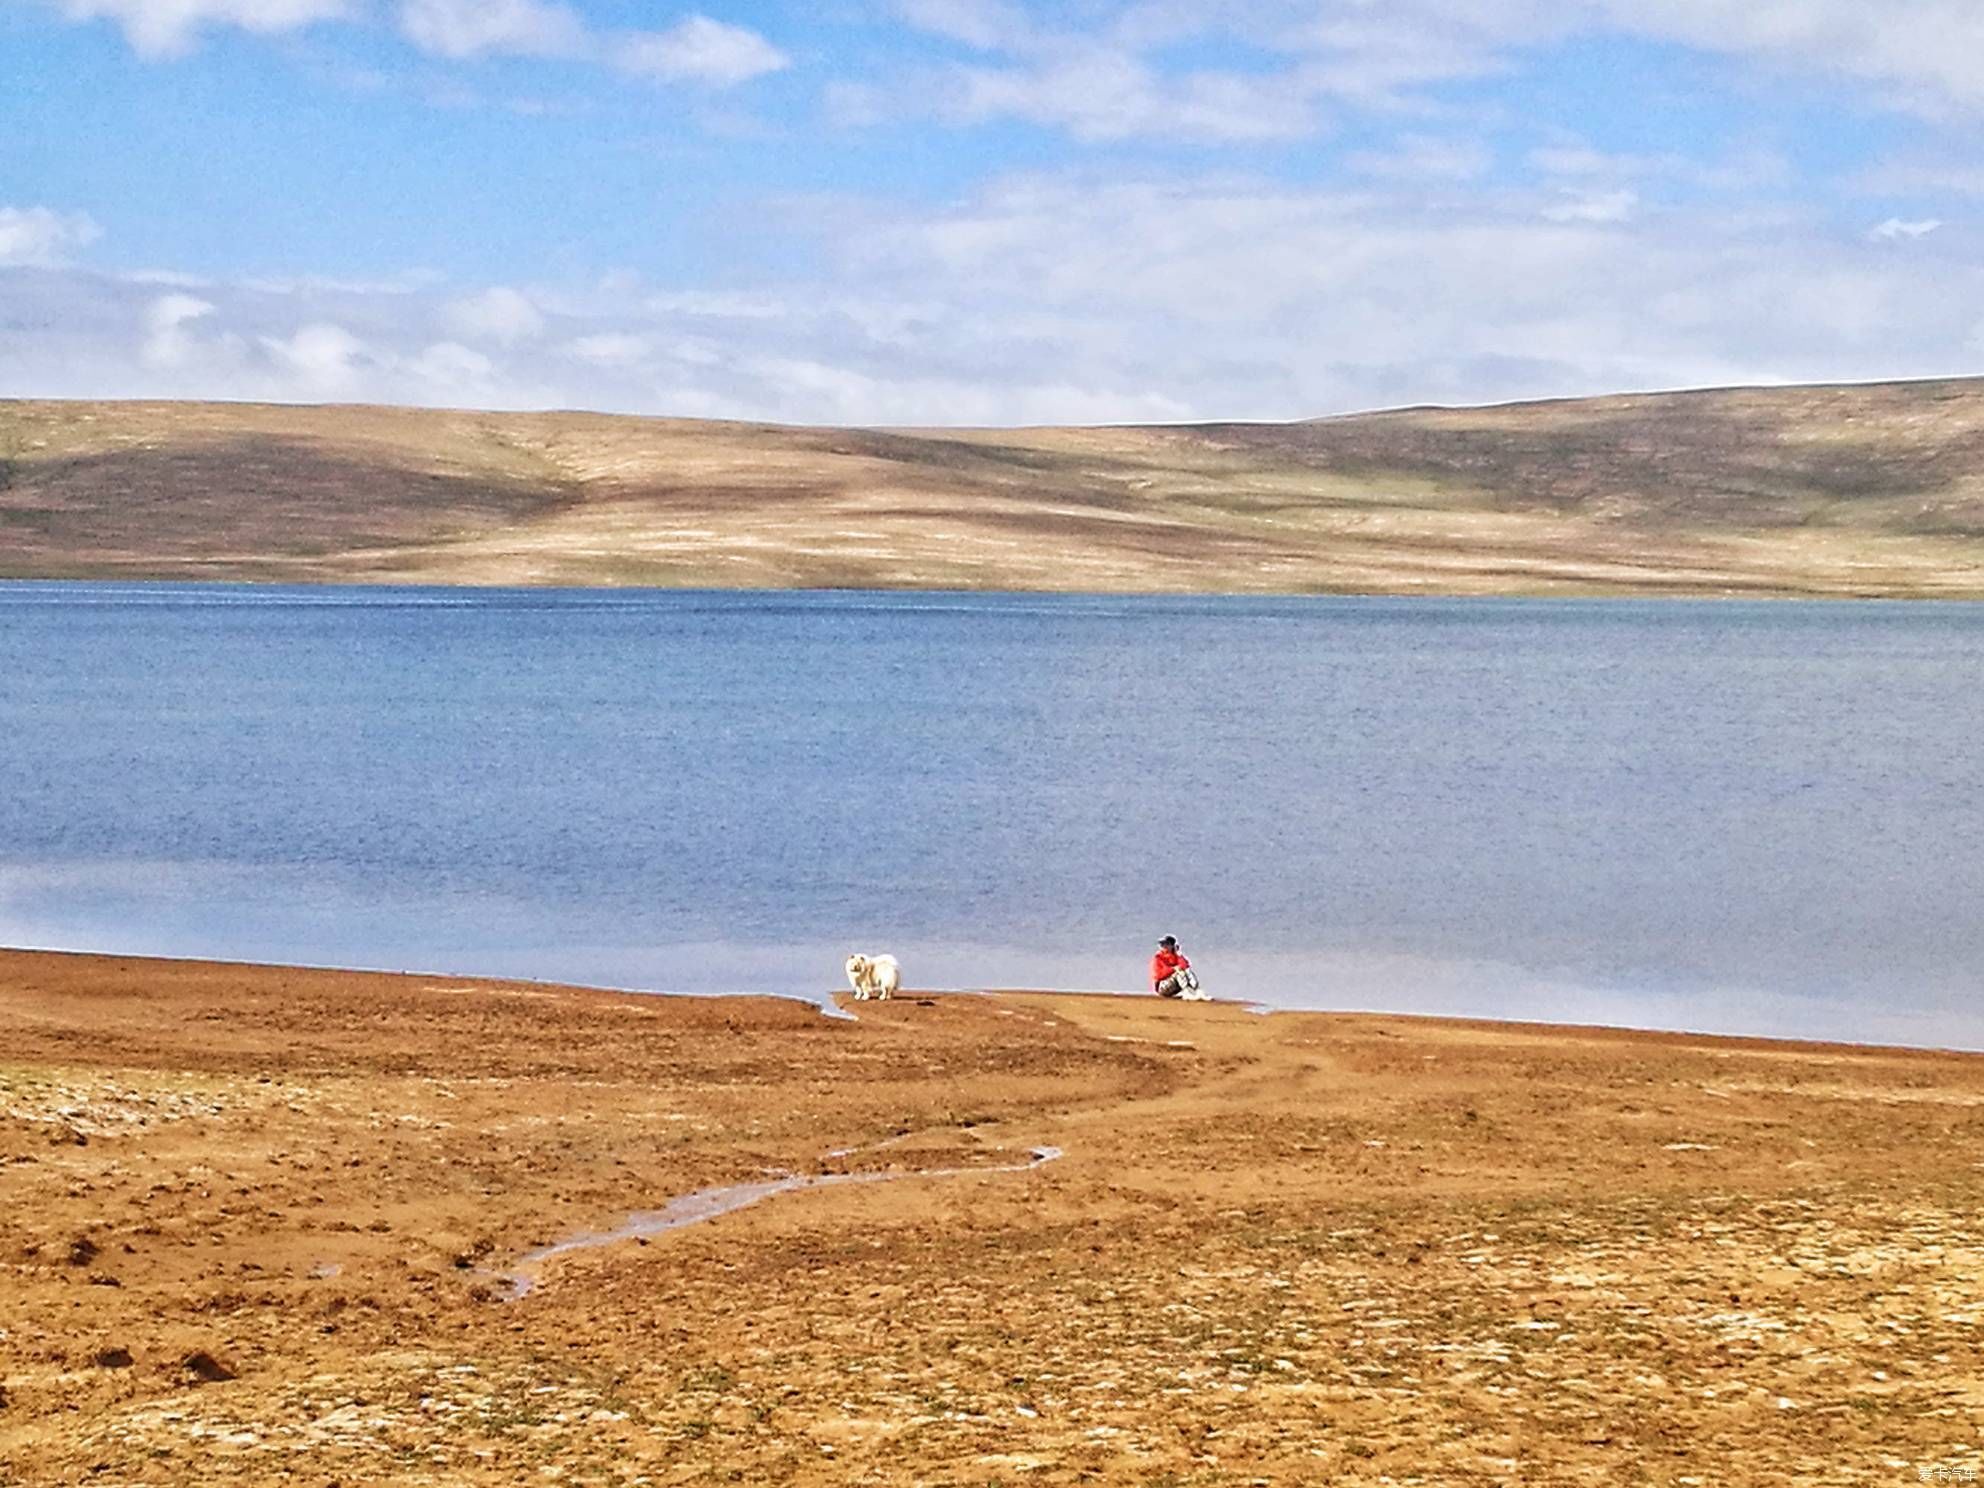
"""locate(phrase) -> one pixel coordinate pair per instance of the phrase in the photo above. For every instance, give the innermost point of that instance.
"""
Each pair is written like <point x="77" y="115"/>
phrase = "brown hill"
<point x="1826" y="490"/>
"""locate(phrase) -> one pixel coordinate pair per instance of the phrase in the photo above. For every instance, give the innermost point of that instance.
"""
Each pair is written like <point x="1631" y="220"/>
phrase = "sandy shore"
<point x="257" y="1226"/>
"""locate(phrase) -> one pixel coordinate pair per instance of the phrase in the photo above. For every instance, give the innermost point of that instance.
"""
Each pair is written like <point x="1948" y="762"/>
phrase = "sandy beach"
<point x="261" y="1225"/>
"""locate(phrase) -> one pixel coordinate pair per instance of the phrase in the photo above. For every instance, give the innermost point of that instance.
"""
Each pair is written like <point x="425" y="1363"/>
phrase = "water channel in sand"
<point x="709" y="1203"/>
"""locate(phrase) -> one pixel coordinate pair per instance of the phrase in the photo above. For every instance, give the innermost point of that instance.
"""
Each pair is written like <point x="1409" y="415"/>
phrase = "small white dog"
<point x="874" y="976"/>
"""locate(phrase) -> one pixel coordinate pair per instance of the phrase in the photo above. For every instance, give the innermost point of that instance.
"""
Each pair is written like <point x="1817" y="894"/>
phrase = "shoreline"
<point x="839" y="1005"/>
<point x="1559" y="594"/>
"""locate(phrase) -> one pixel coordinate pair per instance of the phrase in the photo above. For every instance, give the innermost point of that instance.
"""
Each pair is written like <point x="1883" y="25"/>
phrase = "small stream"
<point x="709" y="1203"/>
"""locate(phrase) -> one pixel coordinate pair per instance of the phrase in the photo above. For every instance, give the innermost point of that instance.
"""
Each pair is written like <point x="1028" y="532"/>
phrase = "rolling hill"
<point x="1850" y="490"/>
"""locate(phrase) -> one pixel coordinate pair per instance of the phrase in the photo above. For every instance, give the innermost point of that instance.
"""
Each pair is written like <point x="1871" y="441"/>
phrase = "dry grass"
<point x="1836" y="491"/>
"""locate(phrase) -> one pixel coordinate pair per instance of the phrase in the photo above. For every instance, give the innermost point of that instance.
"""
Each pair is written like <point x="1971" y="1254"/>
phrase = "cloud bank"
<point x="39" y="236"/>
<point x="695" y="49"/>
<point x="1061" y="297"/>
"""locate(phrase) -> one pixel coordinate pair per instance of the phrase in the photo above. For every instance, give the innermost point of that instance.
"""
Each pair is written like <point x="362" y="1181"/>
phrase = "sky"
<point x="984" y="211"/>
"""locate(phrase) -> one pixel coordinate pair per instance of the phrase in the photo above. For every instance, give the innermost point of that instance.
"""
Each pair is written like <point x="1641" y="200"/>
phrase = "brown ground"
<point x="1825" y="491"/>
<point x="1298" y="1249"/>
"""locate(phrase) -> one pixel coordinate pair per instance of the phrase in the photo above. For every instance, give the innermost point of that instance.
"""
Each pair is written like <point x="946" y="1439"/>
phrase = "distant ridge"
<point x="1857" y="489"/>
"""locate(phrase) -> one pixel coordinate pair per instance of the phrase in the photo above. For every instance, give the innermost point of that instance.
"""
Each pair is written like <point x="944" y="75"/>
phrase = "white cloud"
<point x="1102" y="94"/>
<point x="989" y="25"/>
<point x="1063" y="297"/>
<point x="698" y="50"/>
<point x="1578" y="168"/>
<point x="843" y="394"/>
<point x="1924" y="53"/>
<point x="1909" y="176"/>
<point x="499" y="314"/>
<point x="80" y="334"/>
<point x="324" y="359"/>
<point x="1580" y="160"/>
<point x="307" y="284"/>
<point x="1422" y="157"/>
<point x="450" y="365"/>
<point x="610" y="349"/>
<point x="1104" y="72"/>
<point x="469" y="28"/>
<point x="1593" y="206"/>
<point x="168" y="28"/>
<point x="41" y="236"/>
<point x="694" y="50"/>
<point x="167" y="342"/>
<point x="851" y="105"/>
<point x="1919" y="55"/>
<point x="169" y="277"/>
<point x="1244" y="299"/>
<point x="717" y="304"/>
<point x="1895" y="229"/>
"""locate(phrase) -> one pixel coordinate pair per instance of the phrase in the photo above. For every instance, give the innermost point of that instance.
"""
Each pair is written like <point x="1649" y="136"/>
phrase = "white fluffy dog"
<point x="874" y="976"/>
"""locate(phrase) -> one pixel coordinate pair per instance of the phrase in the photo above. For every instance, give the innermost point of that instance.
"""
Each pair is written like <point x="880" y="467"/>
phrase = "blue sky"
<point x="984" y="211"/>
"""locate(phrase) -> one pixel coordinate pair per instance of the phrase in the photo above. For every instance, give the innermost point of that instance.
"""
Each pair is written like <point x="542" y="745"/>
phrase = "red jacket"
<point x="1164" y="963"/>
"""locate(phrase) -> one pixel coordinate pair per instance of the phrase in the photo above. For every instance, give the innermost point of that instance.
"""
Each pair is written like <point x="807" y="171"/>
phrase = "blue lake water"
<point x="1726" y="816"/>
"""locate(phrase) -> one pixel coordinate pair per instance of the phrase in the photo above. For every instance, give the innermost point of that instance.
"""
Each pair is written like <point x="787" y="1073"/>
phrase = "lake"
<point x="1718" y="815"/>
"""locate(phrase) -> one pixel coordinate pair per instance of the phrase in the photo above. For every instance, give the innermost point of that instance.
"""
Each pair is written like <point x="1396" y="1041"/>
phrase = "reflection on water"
<point x="1743" y="817"/>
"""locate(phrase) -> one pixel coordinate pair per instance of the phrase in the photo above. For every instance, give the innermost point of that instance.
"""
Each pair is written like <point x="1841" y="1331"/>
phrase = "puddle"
<point x="710" y="1203"/>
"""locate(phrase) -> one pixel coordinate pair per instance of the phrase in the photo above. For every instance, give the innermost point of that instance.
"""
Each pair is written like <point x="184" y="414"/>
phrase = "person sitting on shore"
<point x="1171" y="974"/>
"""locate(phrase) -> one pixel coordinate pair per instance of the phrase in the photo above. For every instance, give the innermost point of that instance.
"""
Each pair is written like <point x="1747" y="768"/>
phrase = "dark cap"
<point x="1170" y="940"/>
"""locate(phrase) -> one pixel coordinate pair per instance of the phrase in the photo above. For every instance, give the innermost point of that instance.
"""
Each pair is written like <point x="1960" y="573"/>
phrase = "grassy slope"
<point x="1852" y="490"/>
